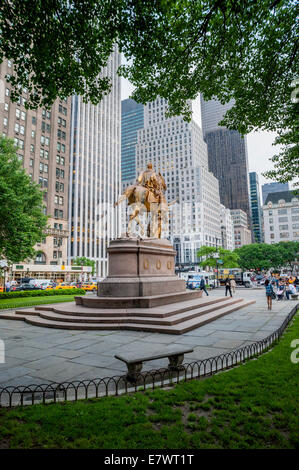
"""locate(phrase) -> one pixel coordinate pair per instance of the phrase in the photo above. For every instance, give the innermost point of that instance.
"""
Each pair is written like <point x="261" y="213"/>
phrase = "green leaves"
<point x="22" y="221"/>
<point x="83" y="261"/>
<point x="261" y="256"/>
<point x="246" y="51"/>
<point x="210" y="254"/>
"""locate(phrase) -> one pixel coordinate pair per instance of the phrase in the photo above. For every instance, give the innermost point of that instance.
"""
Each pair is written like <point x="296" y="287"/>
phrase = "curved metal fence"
<point x="113" y="386"/>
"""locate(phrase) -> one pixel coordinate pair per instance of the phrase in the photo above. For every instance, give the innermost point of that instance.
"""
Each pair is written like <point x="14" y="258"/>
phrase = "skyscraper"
<point x="256" y="209"/>
<point x="275" y="187"/>
<point x="227" y="154"/>
<point x="42" y="145"/>
<point x="132" y="119"/>
<point x="95" y="172"/>
<point x="176" y="149"/>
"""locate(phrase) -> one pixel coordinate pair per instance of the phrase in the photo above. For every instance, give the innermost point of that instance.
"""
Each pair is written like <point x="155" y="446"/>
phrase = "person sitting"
<point x="290" y="290"/>
<point x="280" y="292"/>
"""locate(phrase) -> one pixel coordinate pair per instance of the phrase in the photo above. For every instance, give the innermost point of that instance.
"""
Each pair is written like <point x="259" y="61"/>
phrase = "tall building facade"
<point x="227" y="229"/>
<point x="281" y="217"/>
<point x="176" y="149"/>
<point x="132" y="119"/>
<point x="256" y="209"/>
<point x="95" y="170"/>
<point x="42" y="145"/>
<point x="228" y="159"/>
<point x="274" y="187"/>
<point x="243" y="236"/>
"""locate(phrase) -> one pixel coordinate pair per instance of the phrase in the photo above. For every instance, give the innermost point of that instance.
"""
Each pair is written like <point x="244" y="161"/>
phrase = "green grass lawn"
<point x="252" y="406"/>
<point x="28" y="301"/>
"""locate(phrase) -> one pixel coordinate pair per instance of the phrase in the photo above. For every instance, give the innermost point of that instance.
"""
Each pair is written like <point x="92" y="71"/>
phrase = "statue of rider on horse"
<point x="147" y="195"/>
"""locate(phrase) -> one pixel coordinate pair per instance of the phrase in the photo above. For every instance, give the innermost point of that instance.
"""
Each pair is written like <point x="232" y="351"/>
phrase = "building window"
<point x="6" y="106"/>
<point x="5" y="122"/>
<point x="31" y="162"/>
<point x="23" y="115"/>
<point x="32" y="148"/>
<point x="32" y="134"/>
<point x="33" y="120"/>
<point x="7" y="92"/>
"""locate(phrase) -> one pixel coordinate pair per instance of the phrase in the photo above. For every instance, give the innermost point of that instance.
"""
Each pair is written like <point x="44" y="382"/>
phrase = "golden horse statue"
<point x="147" y="195"/>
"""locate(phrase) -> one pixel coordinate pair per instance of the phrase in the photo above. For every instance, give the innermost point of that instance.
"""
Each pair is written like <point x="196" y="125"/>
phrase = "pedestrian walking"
<point x="228" y="286"/>
<point x="233" y="285"/>
<point x="7" y="286"/>
<point x="202" y="285"/>
<point x="270" y="294"/>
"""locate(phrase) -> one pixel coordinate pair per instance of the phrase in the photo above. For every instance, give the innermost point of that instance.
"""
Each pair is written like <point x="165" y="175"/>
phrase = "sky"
<point x="259" y="144"/>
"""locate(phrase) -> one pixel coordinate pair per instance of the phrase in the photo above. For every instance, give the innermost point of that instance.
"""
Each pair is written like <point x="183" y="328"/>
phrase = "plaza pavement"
<point x="37" y="355"/>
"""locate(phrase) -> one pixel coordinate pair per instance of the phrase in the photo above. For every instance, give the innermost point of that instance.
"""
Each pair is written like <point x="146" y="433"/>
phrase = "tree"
<point x="22" y="221"/>
<point x="230" y="49"/>
<point x="259" y="256"/>
<point x="83" y="261"/>
<point x="289" y="252"/>
<point x="229" y="258"/>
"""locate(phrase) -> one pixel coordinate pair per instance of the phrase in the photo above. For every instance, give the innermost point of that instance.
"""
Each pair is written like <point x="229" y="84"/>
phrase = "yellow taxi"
<point x="63" y="285"/>
<point x="90" y="286"/>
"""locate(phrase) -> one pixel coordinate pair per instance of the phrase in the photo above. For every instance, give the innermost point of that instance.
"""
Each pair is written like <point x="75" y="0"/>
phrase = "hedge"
<point x="40" y="293"/>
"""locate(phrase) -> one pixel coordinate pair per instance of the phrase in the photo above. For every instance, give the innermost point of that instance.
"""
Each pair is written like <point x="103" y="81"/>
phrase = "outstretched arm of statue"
<point x="121" y="199"/>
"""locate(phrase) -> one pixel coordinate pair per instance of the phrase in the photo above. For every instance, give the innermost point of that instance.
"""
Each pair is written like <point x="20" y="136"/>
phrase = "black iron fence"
<point x="113" y="386"/>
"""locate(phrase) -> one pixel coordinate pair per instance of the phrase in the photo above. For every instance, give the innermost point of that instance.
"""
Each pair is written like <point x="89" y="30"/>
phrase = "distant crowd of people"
<point x="284" y="287"/>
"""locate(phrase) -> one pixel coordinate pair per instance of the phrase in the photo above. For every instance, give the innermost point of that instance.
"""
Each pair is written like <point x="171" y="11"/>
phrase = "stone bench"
<point x="134" y="363"/>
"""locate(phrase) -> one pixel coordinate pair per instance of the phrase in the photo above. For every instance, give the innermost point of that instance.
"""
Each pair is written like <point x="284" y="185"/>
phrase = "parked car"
<point x="26" y="286"/>
<point x="76" y="284"/>
<point x="63" y="285"/>
<point x="90" y="286"/>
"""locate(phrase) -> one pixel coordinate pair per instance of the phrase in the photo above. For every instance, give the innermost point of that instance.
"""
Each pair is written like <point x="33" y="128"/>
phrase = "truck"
<point x="194" y="278"/>
<point x="242" y="278"/>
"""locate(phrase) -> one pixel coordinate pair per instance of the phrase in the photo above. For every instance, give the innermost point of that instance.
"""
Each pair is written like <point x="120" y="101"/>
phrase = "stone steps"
<point x="137" y="302"/>
<point x="178" y="324"/>
<point x="162" y="311"/>
<point x="172" y="319"/>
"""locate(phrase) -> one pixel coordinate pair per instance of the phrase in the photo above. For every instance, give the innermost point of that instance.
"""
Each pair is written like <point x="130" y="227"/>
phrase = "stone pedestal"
<point x="141" y="268"/>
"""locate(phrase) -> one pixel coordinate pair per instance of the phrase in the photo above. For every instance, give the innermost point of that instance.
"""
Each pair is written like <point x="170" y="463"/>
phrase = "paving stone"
<point x="39" y="354"/>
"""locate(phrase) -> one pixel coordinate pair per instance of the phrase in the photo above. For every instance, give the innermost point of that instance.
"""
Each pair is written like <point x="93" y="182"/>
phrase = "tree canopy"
<point x="230" y="49"/>
<point x="262" y="256"/>
<point x="22" y="221"/>
<point x="211" y="254"/>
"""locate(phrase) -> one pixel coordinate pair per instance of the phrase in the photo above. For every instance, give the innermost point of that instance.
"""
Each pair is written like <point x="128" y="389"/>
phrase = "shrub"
<point x="41" y="293"/>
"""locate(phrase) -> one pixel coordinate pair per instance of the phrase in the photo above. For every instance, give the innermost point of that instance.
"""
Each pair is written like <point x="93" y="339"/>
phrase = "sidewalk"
<point x="36" y="355"/>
